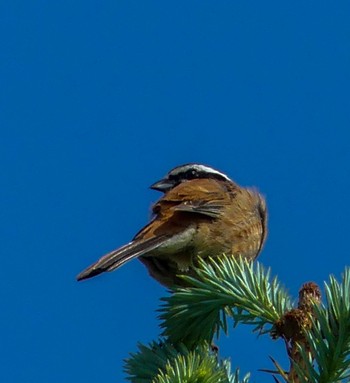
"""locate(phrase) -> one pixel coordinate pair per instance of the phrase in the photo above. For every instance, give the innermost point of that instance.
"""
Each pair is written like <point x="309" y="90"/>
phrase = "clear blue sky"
<point x="98" y="100"/>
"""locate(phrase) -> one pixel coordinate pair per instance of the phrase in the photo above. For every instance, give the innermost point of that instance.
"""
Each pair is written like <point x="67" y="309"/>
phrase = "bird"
<point x="202" y="213"/>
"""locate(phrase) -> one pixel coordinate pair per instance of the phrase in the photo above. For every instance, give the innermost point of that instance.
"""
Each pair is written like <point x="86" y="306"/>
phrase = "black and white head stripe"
<point x="185" y="173"/>
<point x="192" y="171"/>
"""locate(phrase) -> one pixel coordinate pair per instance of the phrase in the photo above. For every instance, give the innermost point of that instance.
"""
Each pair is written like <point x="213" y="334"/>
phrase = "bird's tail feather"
<point x="118" y="257"/>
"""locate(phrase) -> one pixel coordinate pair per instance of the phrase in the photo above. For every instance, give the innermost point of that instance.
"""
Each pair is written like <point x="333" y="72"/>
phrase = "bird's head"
<point x="185" y="173"/>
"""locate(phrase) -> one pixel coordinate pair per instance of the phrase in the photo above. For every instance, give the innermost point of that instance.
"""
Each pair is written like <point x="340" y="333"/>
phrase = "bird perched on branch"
<point x="203" y="213"/>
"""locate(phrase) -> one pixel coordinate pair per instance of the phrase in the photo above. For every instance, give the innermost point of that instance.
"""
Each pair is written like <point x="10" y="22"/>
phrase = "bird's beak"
<point x="163" y="185"/>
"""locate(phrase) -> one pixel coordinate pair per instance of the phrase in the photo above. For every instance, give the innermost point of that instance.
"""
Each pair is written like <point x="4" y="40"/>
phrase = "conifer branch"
<point x="317" y="336"/>
<point x="329" y="339"/>
<point x="165" y="363"/>
<point x="225" y="287"/>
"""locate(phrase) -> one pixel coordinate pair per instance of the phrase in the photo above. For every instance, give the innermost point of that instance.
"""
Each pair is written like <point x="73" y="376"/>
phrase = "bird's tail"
<point x="118" y="257"/>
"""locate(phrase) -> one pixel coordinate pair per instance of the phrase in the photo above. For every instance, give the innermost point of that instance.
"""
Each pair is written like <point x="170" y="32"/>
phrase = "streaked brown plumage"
<point x="203" y="216"/>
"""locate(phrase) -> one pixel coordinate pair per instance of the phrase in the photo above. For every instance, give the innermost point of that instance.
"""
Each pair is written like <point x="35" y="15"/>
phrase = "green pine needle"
<point x="164" y="363"/>
<point x="235" y="288"/>
<point x="194" y="367"/>
<point x="330" y="338"/>
<point x="144" y="366"/>
<point x="224" y="287"/>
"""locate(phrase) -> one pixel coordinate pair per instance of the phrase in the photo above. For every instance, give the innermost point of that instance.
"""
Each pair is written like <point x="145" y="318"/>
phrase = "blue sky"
<point x="99" y="99"/>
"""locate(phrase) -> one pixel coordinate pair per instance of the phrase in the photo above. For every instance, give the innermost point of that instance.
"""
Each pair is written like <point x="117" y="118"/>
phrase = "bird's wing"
<point x="199" y="196"/>
<point x="208" y="209"/>
<point x="118" y="257"/>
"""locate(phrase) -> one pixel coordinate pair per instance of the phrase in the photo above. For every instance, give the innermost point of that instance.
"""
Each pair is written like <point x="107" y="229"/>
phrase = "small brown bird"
<point x="202" y="213"/>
